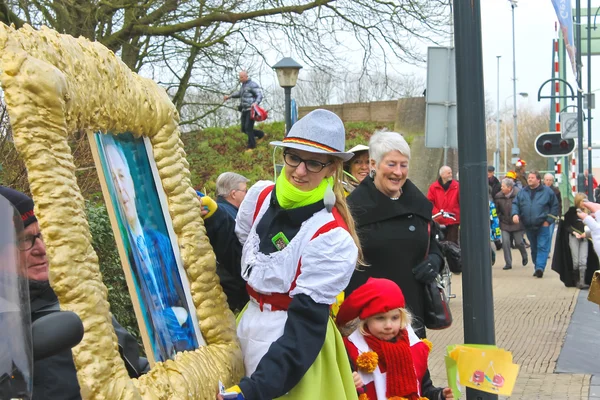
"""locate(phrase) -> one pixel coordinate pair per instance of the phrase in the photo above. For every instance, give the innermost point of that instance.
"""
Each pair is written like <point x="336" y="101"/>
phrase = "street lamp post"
<point x="515" y="151"/>
<point x="287" y="74"/>
<point x="522" y="94"/>
<point x="497" y="154"/>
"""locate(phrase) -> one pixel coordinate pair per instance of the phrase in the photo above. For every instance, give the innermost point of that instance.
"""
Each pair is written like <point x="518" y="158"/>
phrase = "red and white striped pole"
<point x="574" y="175"/>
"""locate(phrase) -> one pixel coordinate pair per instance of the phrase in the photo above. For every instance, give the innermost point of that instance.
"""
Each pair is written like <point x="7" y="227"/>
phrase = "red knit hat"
<point x="374" y="297"/>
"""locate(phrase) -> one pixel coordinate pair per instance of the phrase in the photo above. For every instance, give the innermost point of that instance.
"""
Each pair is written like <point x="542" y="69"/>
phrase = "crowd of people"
<point x="337" y="227"/>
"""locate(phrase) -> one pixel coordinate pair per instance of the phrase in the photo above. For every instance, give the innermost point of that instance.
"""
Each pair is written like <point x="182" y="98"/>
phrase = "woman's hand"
<point x="447" y="393"/>
<point x="358" y="383"/>
<point x="579" y="235"/>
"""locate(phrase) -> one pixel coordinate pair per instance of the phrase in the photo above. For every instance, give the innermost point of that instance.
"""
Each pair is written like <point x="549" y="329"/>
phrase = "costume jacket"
<point x="394" y="235"/>
<point x="504" y="210"/>
<point x="562" y="261"/>
<point x="291" y="290"/>
<point x="447" y="200"/>
<point x="375" y="382"/>
<point x="534" y="206"/>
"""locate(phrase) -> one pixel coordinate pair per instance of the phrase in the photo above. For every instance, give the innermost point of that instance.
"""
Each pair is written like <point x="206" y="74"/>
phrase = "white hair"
<point x="228" y="181"/>
<point x="443" y="168"/>
<point x="508" y="182"/>
<point x="383" y="142"/>
<point x="549" y="175"/>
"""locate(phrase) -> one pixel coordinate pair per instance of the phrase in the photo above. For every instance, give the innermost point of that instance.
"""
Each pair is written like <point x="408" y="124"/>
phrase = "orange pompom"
<point x="397" y="398"/>
<point x="367" y="361"/>
<point x="428" y="343"/>
<point x="363" y="397"/>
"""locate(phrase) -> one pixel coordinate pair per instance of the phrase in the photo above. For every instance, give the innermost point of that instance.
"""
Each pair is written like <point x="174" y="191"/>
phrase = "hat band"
<point x="310" y="143"/>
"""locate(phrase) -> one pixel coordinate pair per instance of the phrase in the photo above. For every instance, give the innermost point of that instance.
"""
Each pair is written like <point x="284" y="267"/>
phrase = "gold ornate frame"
<point x="54" y="85"/>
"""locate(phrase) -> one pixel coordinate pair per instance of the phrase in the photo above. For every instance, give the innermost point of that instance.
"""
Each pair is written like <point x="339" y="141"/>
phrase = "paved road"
<point x="533" y="317"/>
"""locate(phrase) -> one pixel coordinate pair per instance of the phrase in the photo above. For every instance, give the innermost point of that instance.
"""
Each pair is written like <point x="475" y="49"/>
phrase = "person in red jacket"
<point x="444" y="194"/>
<point x="389" y="360"/>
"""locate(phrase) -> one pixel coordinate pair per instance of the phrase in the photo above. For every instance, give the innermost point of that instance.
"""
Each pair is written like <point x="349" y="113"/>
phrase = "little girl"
<point x="390" y="360"/>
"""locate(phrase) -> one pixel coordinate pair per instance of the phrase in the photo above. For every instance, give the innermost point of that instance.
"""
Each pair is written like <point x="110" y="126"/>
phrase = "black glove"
<point x="428" y="269"/>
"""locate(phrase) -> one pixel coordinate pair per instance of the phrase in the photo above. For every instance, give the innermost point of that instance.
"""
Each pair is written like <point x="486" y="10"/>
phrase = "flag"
<point x="564" y="12"/>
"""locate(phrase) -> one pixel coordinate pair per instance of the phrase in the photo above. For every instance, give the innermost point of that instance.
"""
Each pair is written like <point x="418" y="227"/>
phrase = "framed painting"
<point x="56" y="85"/>
<point x="147" y="244"/>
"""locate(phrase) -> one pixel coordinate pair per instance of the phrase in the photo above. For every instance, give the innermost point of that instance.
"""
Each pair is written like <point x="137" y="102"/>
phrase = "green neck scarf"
<point x="289" y="196"/>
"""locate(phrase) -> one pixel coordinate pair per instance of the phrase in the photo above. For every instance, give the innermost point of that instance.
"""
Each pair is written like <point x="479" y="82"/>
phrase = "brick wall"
<point x="407" y="113"/>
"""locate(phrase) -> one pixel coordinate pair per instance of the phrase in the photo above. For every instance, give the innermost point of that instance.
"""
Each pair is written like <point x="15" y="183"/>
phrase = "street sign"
<point x="589" y="99"/>
<point x="440" y="98"/>
<point x="551" y="144"/>
<point x="568" y="125"/>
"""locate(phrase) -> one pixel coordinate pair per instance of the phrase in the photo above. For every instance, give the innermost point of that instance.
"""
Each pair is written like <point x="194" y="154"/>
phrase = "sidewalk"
<point x="531" y="318"/>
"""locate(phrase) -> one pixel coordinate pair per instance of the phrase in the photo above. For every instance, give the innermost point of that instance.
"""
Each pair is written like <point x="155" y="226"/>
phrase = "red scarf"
<point x="395" y="359"/>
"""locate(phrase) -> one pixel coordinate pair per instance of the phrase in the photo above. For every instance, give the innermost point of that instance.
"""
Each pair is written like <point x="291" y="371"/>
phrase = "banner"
<point x="564" y="12"/>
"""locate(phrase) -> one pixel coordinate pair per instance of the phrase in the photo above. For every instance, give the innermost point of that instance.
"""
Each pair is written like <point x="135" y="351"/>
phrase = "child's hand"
<point x="447" y="393"/>
<point x="358" y="383"/>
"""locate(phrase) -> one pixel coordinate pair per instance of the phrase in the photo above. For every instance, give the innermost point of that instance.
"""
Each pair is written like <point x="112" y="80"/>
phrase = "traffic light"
<point x="551" y="144"/>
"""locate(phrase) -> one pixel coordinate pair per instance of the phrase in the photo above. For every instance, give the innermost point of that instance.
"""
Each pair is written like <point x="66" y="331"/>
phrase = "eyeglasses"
<point x="313" y="166"/>
<point x="28" y="241"/>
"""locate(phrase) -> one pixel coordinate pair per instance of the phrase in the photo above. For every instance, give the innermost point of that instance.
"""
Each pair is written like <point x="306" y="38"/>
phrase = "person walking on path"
<point x="250" y="94"/>
<point x="444" y="195"/>
<point x="534" y="206"/>
<point x="574" y="258"/>
<point x="510" y="230"/>
<point x="493" y="181"/>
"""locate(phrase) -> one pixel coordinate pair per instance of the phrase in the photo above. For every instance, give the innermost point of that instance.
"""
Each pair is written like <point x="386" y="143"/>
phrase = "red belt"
<point x="277" y="301"/>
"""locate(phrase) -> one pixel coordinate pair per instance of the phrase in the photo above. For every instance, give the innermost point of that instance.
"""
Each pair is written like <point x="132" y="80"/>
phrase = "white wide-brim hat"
<point x="358" y="147"/>
<point x="320" y="131"/>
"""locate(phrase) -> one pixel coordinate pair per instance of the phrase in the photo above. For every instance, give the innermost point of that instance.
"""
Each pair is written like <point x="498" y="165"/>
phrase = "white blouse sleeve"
<point x="593" y="223"/>
<point x="327" y="264"/>
<point x="245" y="215"/>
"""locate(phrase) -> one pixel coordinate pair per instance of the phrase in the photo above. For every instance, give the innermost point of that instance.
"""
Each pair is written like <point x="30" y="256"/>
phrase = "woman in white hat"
<point x="357" y="168"/>
<point x="298" y="251"/>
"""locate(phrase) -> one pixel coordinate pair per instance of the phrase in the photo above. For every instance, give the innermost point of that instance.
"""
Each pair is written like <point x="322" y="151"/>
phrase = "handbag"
<point x="594" y="291"/>
<point x="257" y="113"/>
<point x="437" y="310"/>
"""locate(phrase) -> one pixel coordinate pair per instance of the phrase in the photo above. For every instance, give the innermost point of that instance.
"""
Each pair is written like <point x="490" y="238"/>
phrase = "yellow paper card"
<point x="488" y="370"/>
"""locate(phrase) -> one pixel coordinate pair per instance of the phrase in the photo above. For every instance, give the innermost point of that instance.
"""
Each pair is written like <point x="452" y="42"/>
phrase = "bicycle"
<point x="445" y="276"/>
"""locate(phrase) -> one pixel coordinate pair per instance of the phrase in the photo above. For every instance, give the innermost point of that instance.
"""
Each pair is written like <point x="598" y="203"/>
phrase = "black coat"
<point x="394" y="238"/>
<point x="55" y="377"/>
<point x="562" y="261"/>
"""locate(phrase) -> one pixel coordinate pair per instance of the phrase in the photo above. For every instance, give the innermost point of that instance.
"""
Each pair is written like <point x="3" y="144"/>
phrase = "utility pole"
<point x="478" y="300"/>
<point x="590" y="187"/>
<point x="497" y="154"/>
<point x="580" y="176"/>
<point x="515" y="151"/>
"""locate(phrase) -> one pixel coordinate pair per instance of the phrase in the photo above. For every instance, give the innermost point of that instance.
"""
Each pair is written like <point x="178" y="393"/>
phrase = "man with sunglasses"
<point x="55" y="377"/>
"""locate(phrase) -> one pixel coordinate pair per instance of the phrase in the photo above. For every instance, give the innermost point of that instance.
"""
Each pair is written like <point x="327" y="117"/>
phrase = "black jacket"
<point x="394" y="238"/>
<point x="562" y="261"/>
<point x="55" y="377"/>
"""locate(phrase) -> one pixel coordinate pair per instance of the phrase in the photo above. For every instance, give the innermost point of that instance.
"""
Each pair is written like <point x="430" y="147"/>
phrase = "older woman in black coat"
<point x="393" y="221"/>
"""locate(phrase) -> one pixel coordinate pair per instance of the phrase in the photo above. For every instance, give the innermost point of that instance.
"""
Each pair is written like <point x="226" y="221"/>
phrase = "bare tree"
<point x="529" y="125"/>
<point x="197" y="46"/>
